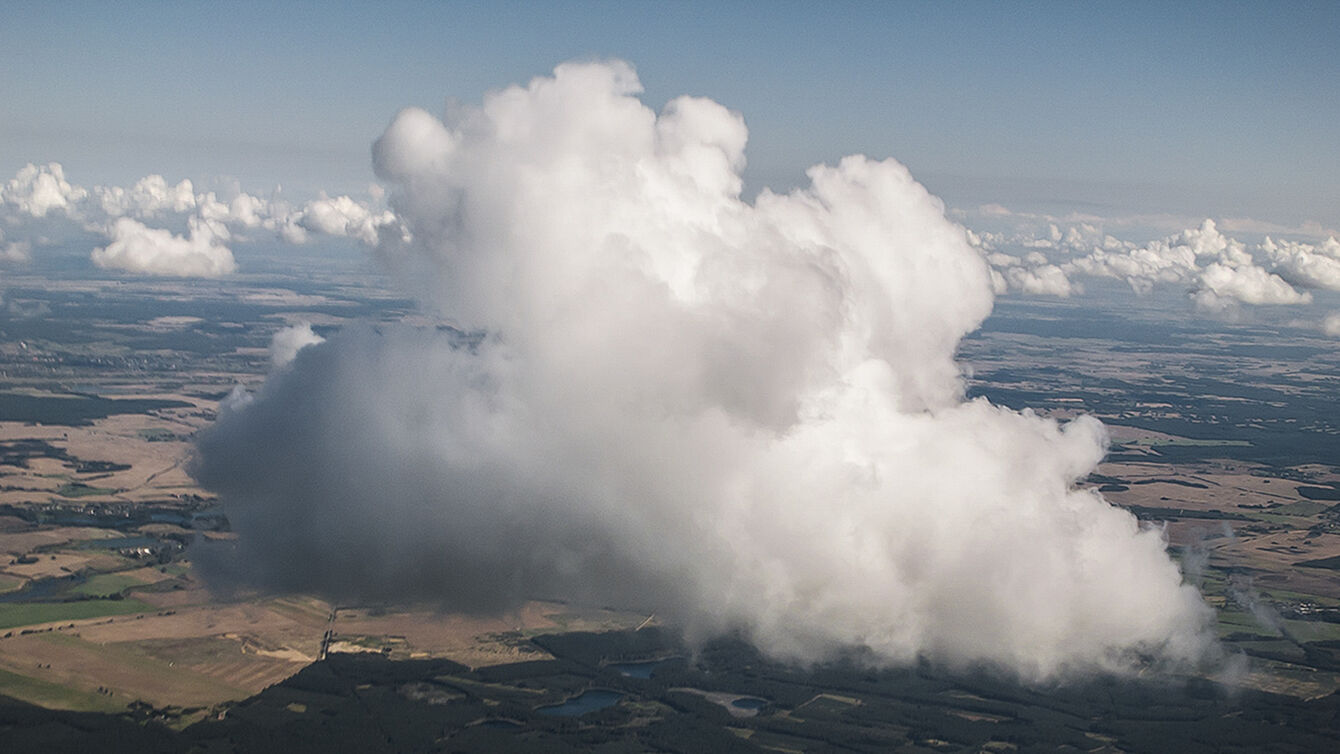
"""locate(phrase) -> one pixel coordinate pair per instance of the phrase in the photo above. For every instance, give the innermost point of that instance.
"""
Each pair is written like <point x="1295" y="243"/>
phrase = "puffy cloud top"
<point x="1309" y="265"/>
<point x="342" y="216"/>
<point x="38" y="190"/>
<point x="149" y="196"/>
<point x="741" y="415"/>
<point x="1220" y="270"/>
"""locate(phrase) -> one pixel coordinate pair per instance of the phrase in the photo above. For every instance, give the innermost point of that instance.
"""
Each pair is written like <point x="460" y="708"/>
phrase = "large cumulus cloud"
<point x="744" y="416"/>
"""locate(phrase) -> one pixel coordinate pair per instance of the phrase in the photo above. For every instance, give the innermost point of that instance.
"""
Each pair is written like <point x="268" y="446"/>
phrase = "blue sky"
<point x="1199" y="108"/>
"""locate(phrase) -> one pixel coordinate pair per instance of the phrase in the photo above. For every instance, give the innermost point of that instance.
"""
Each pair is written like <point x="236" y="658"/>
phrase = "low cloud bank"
<point x="1219" y="273"/>
<point x="743" y="416"/>
<point x="139" y="221"/>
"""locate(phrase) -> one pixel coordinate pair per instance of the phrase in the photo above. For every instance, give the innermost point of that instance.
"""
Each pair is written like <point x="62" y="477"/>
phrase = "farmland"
<point x="102" y="610"/>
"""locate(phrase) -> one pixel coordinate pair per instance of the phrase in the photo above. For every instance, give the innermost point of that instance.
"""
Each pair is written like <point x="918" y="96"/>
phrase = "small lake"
<point x="588" y="701"/>
<point x="750" y="703"/>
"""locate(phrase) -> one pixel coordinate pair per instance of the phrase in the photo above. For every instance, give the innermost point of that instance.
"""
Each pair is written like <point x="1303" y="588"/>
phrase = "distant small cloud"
<point x="38" y="190"/>
<point x="286" y="343"/>
<point x="1032" y="274"/>
<point x="342" y="216"/>
<point x="1222" y="285"/>
<point x="156" y="210"/>
<point x="14" y="251"/>
<point x="151" y="195"/>
<point x="156" y="251"/>
<point x="1331" y="325"/>
<point x="1221" y="272"/>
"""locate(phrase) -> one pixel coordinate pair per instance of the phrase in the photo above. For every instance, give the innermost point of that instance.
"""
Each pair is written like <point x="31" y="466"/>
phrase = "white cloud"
<point x="343" y="216"/>
<point x="37" y="190"/>
<point x="14" y="251"/>
<point x="1222" y="285"/>
<point x="155" y="251"/>
<point x="1308" y="265"/>
<point x="1033" y="275"/>
<point x="149" y="196"/>
<point x="742" y="415"/>
<point x="1040" y="280"/>
<point x="286" y="343"/>
<point x="1140" y="267"/>
<point x="1220" y="271"/>
<point x="1331" y="324"/>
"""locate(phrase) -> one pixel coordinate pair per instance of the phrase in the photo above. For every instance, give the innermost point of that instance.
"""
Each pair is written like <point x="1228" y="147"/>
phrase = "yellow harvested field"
<point x="176" y="598"/>
<point x="53" y="564"/>
<point x="194" y="656"/>
<point x="156" y="467"/>
<point x="147" y="574"/>
<point x="1265" y="536"/>
<point x="130" y="672"/>
<point x="22" y="542"/>
<point x="268" y="624"/>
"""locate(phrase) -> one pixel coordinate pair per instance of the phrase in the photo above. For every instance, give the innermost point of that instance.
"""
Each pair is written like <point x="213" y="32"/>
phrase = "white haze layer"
<point x="742" y="416"/>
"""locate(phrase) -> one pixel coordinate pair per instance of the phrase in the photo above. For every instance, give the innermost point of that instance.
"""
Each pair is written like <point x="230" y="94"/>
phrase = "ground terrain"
<point x="1220" y="435"/>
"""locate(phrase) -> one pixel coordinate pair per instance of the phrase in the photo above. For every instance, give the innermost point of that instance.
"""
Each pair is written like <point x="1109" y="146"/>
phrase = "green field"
<point x="54" y="696"/>
<point x="79" y="489"/>
<point x="74" y="410"/>
<point x="105" y="585"/>
<point x="9" y="583"/>
<point x="1307" y="630"/>
<point x="30" y="613"/>
<point x="1233" y="621"/>
<point x="1303" y="508"/>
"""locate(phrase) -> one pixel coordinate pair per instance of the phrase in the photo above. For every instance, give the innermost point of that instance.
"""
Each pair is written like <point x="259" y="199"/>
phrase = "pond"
<point x="750" y="703"/>
<point x="587" y="701"/>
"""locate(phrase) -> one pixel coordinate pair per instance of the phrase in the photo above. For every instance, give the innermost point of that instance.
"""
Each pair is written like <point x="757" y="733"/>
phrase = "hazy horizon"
<point x="1196" y="110"/>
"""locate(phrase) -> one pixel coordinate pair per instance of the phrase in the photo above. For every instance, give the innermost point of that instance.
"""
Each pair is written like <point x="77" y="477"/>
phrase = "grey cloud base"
<point x="744" y="416"/>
